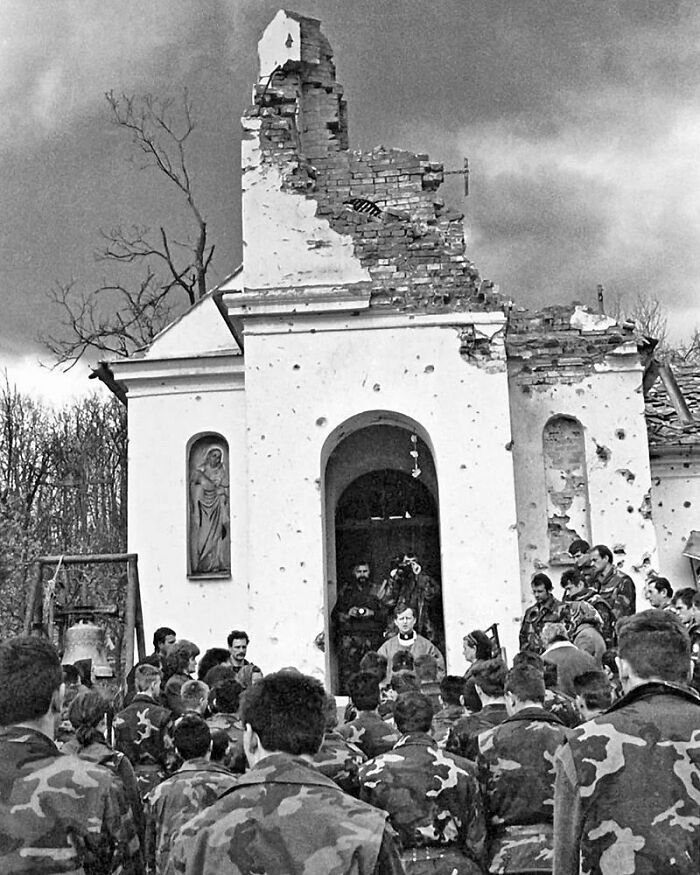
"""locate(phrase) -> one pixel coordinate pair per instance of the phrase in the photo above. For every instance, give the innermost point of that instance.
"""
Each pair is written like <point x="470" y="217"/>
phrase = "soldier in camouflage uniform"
<point x="368" y="731"/>
<point x="614" y="586"/>
<point x="196" y="784"/>
<point x="555" y="702"/>
<point x="545" y="610"/>
<point x="142" y="731"/>
<point x="88" y="717"/>
<point x="225" y="700"/>
<point x="432" y="797"/>
<point x="489" y="678"/>
<point x="452" y="696"/>
<point x="516" y="769"/>
<point x="58" y="813"/>
<point x="627" y="796"/>
<point x="337" y="758"/>
<point x="284" y="817"/>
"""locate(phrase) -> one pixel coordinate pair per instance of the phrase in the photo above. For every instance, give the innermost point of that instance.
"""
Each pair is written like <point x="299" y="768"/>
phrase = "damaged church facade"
<point x="356" y="391"/>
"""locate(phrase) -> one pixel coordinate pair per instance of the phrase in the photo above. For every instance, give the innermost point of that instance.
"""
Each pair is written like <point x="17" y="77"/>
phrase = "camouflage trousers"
<point x="438" y="861"/>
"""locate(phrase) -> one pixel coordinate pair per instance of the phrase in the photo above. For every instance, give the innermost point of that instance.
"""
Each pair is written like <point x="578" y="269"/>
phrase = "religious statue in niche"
<point x="210" y="526"/>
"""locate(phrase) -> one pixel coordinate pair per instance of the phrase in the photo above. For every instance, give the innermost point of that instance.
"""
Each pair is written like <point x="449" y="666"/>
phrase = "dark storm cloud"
<point x="580" y="120"/>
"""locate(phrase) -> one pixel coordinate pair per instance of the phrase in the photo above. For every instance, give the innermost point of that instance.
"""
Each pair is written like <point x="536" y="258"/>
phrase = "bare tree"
<point x="157" y="273"/>
<point x="648" y="315"/>
<point x="688" y="353"/>
<point x="62" y="490"/>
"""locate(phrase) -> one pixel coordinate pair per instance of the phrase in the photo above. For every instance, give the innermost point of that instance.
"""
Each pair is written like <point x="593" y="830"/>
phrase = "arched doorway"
<point x="382" y="505"/>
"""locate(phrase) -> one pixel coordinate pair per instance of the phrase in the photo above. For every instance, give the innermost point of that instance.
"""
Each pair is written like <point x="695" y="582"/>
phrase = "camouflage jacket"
<point x="432" y="797"/>
<point x="230" y="723"/>
<point x="618" y="591"/>
<point x="534" y="619"/>
<point x="516" y="770"/>
<point x="118" y="763"/>
<point x="562" y="706"/>
<point x="195" y="785"/>
<point x="340" y="760"/>
<point x="284" y="817"/>
<point x="627" y="795"/>
<point x="60" y="813"/>
<point x="370" y="733"/>
<point x="142" y="732"/>
<point x="462" y="739"/>
<point x="444" y="720"/>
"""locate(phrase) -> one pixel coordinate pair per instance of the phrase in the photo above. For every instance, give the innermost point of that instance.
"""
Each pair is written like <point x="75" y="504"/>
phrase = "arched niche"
<point x="566" y="484"/>
<point x="377" y="506"/>
<point x="208" y="507"/>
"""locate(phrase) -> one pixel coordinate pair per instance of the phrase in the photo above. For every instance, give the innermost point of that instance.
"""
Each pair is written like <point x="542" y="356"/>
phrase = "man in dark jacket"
<point x="613" y="585"/>
<point x="489" y="679"/>
<point x="569" y="660"/>
<point x="545" y="610"/>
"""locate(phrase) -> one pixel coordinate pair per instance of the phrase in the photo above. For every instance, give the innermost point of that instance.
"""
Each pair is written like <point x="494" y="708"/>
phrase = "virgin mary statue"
<point x="209" y="512"/>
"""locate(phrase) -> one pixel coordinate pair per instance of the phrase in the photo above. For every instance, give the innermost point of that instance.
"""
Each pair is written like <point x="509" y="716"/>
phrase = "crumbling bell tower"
<point x="356" y="377"/>
<point x="366" y="332"/>
<point x="315" y="212"/>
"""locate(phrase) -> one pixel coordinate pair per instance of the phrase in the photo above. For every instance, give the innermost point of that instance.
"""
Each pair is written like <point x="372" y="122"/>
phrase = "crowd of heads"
<point x="652" y="644"/>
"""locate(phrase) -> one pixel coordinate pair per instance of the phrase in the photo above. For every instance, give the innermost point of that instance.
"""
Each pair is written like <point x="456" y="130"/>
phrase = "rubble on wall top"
<point x="571" y="323"/>
<point x="564" y="343"/>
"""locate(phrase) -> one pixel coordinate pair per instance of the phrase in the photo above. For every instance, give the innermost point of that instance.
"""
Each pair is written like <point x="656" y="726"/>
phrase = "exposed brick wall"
<point x="413" y="248"/>
<point x="543" y="349"/>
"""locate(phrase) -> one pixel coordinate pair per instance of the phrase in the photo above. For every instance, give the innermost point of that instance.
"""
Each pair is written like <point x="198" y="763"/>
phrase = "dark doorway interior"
<point x="385" y="514"/>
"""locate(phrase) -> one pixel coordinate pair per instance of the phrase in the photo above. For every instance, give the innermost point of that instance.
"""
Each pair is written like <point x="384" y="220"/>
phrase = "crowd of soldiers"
<point x="581" y="757"/>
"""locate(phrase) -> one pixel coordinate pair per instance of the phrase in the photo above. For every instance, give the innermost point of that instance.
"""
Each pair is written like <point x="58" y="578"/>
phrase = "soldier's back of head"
<point x="53" y="807"/>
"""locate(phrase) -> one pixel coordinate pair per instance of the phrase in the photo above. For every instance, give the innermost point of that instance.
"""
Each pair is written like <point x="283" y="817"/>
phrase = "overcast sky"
<point x="580" y="119"/>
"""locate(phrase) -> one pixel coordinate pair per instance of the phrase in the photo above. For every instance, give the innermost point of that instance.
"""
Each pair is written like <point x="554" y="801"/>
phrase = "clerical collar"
<point x="407" y="638"/>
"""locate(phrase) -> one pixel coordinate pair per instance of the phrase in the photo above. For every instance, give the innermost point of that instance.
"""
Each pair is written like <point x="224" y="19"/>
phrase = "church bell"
<point x="85" y="640"/>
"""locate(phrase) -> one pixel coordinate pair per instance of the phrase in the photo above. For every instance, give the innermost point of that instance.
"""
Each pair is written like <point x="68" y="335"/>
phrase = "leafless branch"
<point x="162" y="273"/>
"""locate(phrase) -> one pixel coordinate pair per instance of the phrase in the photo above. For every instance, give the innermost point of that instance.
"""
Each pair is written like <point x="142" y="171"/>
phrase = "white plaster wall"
<point x="280" y="42"/>
<point x="299" y="388"/>
<point x="201" y="328"/>
<point x="161" y="422"/>
<point x="676" y="511"/>
<point x="285" y="243"/>
<point x="609" y="405"/>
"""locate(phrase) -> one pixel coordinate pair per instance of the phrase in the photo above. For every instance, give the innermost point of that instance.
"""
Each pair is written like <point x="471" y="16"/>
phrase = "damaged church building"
<point x="355" y="391"/>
